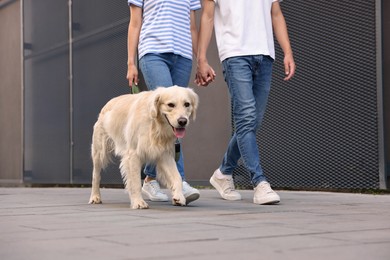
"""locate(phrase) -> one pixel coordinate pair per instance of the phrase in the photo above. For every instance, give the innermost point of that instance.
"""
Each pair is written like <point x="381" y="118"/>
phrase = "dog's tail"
<point x="102" y="147"/>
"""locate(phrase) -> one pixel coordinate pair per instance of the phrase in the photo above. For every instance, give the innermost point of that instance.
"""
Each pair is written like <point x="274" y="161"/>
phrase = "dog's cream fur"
<point x="142" y="128"/>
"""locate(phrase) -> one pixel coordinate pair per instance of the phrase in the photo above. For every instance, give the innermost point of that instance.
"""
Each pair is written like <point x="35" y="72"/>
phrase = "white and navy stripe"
<point x="166" y="26"/>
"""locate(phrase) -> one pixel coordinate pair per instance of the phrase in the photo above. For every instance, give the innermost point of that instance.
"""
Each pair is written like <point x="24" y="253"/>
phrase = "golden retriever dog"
<point x="142" y="128"/>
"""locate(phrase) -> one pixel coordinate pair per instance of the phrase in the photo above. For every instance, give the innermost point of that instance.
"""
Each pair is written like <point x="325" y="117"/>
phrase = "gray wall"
<point x="57" y="138"/>
<point x="99" y="70"/>
<point x="207" y="138"/>
<point x="10" y="93"/>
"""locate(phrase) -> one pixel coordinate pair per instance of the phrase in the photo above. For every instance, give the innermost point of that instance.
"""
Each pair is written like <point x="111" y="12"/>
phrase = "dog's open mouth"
<point x="179" y="132"/>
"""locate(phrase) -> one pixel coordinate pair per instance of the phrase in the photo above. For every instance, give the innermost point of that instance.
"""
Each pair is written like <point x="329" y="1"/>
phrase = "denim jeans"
<point x="249" y="82"/>
<point x="165" y="70"/>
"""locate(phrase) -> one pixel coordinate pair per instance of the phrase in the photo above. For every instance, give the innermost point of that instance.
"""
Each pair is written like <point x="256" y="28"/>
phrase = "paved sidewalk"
<point x="57" y="223"/>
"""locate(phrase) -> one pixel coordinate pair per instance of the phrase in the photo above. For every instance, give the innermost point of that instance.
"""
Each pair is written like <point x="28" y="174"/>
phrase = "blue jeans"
<point x="165" y="70"/>
<point x="249" y="82"/>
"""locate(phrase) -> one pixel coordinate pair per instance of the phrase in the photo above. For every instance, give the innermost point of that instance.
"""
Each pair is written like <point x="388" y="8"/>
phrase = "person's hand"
<point x="132" y="75"/>
<point x="289" y="66"/>
<point x="205" y="74"/>
<point x="200" y="82"/>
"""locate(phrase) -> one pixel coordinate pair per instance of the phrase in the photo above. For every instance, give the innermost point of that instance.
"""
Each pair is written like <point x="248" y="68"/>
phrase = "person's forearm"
<point x="194" y="34"/>
<point x="281" y="34"/>
<point x="133" y="33"/>
<point x="206" y="29"/>
<point x="280" y="29"/>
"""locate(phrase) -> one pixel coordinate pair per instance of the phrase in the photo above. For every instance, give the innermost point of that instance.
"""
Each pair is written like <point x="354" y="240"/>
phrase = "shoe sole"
<point x="216" y="186"/>
<point x="266" y="202"/>
<point x="192" y="197"/>
<point x="147" y="195"/>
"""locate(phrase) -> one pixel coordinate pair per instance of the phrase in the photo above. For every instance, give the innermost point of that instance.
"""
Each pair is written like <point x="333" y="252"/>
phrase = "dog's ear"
<point x="155" y="104"/>
<point x="195" y="102"/>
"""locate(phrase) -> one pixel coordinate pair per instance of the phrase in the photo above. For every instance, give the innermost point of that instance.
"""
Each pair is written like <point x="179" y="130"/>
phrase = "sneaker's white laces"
<point x="266" y="187"/>
<point x="229" y="184"/>
<point x="155" y="186"/>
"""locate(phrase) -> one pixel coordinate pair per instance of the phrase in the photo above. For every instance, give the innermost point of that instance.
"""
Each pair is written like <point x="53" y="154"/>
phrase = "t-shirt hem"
<point x="238" y="54"/>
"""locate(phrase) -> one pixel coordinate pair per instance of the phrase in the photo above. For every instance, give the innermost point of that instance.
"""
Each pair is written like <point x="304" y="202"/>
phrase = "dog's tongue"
<point x="179" y="132"/>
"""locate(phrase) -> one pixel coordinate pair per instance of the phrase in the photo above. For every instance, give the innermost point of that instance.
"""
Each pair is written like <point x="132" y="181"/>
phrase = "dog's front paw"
<point x="179" y="200"/>
<point x="139" y="204"/>
<point x="95" y="199"/>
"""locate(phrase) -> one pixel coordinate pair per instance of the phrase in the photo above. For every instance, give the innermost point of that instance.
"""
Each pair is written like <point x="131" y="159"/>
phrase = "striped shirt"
<point x="166" y="26"/>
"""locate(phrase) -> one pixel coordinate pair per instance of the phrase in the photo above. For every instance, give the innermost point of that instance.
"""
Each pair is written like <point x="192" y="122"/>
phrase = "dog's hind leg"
<point x="131" y="172"/>
<point x="168" y="174"/>
<point x="100" y="150"/>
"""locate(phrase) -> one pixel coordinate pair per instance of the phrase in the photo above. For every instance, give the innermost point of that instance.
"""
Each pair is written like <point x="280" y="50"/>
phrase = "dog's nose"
<point x="182" y="121"/>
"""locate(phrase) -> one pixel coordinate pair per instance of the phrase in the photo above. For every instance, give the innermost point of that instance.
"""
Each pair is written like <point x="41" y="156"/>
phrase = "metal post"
<point x="379" y="69"/>
<point x="22" y="87"/>
<point x="70" y="17"/>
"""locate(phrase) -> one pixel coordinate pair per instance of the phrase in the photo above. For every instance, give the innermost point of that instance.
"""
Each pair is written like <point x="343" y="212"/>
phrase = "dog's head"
<point x="176" y="105"/>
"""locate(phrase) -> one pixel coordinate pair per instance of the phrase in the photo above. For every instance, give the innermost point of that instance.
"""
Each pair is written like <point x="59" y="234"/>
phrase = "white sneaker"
<point x="152" y="191"/>
<point x="190" y="193"/>
<point x="224" y="186"/>
<point x="264" y="194"/>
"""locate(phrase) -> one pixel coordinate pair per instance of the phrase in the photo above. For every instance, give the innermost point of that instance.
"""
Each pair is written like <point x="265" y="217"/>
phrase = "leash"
<point x="177" y="150"/>
<point x="177" y="142"/>
<point x="134" y="89"/>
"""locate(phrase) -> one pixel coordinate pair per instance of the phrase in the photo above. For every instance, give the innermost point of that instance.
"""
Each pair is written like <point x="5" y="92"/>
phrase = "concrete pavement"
<point x="57" y="223"/>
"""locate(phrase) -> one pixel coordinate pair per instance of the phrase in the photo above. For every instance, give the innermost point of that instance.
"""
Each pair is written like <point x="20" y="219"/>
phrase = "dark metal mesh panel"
<point x="321" y="129"/>
<point x="100" y="67"/>
<point x="46" y="95"/>
<point x="59" y="116"/>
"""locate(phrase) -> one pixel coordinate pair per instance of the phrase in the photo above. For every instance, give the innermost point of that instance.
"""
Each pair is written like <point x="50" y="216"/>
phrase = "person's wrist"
<point x="130" y="63"/>
<point x="202" y="63"/>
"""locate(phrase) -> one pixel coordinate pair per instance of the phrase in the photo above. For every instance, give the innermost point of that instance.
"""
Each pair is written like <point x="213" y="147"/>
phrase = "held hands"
<point x="205" y="74"/>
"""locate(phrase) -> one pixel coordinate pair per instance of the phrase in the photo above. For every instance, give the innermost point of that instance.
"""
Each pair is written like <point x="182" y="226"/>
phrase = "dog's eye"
<point x="171" y="105"/>
<point x="187" y="104"/>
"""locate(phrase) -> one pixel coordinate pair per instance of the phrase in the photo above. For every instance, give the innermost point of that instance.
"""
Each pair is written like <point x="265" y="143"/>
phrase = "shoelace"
<point x="155" y="187"/>
<point x="230" y="185"/>
<point x="266" y="187"/>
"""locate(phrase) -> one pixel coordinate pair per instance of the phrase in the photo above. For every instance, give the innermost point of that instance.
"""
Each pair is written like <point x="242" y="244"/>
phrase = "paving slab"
<point x="57" y="223"/>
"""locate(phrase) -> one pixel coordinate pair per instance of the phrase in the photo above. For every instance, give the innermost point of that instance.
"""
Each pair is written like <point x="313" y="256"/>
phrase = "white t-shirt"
<point x="244" y="27"/>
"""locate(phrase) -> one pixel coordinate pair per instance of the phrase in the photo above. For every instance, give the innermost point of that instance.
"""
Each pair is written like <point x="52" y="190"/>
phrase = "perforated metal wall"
<point x="70" y="73"/>
<point x="321" y="129"/>
<point x="100" y="67"/>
